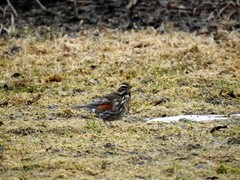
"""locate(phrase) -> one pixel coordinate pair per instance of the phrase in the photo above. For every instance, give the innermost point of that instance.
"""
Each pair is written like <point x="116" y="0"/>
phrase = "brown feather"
<point x="104" y="107"/>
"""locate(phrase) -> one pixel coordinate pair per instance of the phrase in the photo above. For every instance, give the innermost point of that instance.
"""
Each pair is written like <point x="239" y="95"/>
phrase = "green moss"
<point x="225" y="169"/>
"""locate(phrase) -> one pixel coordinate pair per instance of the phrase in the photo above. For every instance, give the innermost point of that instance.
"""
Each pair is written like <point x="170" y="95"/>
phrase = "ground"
<point x="171" y="74"/>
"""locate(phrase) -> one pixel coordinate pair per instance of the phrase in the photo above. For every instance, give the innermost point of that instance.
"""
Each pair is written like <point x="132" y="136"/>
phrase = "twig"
<point x="75" y="7"/>
<point x="13" y="9"/>
<point x="161" y="4"/>
<point x="1" y="28"/>
<point x="131" y="3"/>
<point x="225" y="7"/>
<point x="45" y="9"/>
<point x="41" y="5"/>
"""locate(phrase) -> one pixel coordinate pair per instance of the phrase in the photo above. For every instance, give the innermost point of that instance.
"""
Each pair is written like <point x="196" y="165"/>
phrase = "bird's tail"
<point x="87" y="107"/>
<point x="78" y="106"/>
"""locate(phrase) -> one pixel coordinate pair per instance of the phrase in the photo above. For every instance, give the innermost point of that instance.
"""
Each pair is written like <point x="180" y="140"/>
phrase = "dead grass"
<point x="171" y="74"/>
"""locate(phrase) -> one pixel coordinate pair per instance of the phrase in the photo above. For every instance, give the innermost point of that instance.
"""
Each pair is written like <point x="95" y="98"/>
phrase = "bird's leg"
<point x="105" y="122"/>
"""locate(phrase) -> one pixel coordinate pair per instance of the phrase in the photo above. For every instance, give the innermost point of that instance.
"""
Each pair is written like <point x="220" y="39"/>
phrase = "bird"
<point x="112" y="106"/>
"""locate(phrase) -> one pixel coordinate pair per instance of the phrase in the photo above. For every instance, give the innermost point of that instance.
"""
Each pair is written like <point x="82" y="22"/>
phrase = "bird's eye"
<point x="122" y="89"/>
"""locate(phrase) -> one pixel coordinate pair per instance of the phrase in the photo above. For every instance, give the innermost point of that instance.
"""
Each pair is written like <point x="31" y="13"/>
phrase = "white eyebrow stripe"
<point x="124" y="85"/>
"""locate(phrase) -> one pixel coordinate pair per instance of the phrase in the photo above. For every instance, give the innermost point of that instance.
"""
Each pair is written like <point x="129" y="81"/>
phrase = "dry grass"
<point x="171" y="74"/>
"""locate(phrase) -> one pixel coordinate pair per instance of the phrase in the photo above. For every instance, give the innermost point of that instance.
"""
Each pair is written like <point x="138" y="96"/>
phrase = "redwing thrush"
<point x="112" y="106"/>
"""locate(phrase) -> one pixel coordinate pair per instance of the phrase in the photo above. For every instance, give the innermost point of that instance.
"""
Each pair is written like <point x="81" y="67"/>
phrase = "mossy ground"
<point x="171" y="74"/>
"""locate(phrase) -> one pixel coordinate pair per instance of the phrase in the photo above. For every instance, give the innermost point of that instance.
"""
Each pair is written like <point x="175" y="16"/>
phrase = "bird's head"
<point x="125" y="88"/>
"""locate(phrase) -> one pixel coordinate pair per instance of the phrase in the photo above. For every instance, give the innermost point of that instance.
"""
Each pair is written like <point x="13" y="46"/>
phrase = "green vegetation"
<point x="42" y="137"/>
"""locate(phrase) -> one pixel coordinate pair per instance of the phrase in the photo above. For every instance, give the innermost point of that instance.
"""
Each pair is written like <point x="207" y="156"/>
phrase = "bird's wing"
<point x="101" y="104"/>
<point x="111" y="96"/>
<point x="104" y="107"/>
<point x="104" y="103"/>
